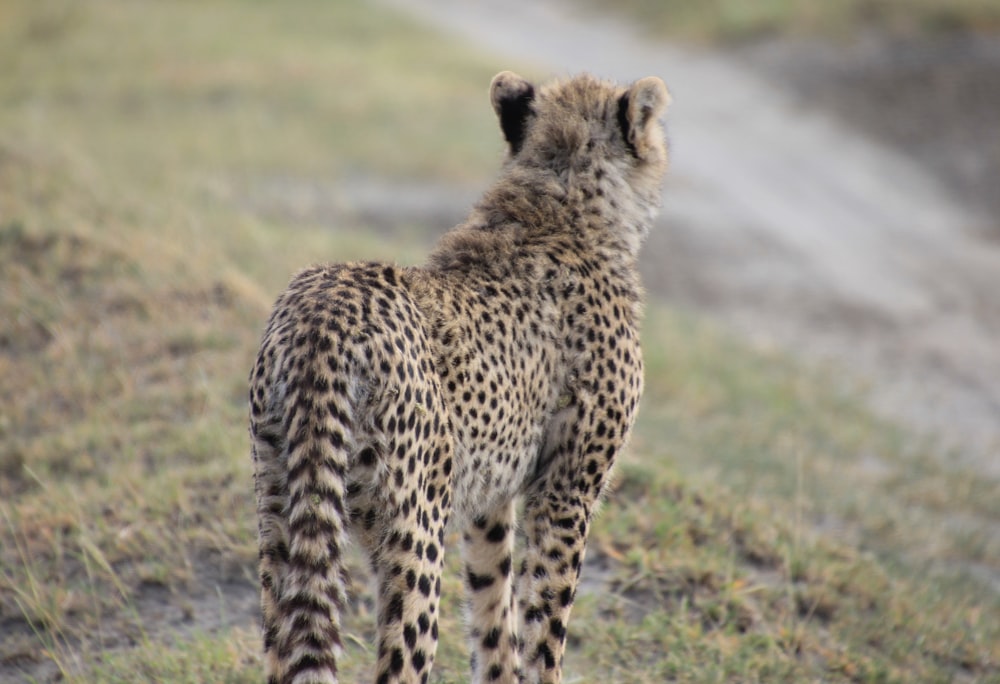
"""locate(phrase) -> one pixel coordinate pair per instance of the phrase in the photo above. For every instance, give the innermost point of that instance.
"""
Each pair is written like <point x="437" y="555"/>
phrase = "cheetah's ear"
<point x="511" y="97"/>
<point x="639" y="110"/>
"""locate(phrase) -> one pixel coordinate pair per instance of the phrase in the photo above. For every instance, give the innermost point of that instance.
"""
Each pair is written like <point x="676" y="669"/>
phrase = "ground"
<point x="763" y="525"/>
<point x="931" y="98"/>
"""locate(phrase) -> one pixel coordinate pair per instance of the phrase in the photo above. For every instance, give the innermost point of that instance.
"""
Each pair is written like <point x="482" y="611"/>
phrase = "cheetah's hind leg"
<point x="403" y="514"/>
<point x="488" y="545"/>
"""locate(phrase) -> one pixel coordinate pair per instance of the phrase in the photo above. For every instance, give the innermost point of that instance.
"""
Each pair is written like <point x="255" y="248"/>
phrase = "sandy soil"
<point x="933" y="99"/>
<point x="795" y="226"/>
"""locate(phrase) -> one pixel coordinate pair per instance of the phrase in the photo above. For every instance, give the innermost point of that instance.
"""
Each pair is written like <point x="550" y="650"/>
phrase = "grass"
<point x="763" y="528"/>
<point x="741" y="20"/>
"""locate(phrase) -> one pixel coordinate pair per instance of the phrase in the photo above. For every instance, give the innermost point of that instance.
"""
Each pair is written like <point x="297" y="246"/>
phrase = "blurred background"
<point x="813" y="487"/>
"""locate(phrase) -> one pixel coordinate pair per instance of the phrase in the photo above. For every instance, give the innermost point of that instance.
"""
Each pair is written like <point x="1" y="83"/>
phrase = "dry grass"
<point x="135" y="276"/>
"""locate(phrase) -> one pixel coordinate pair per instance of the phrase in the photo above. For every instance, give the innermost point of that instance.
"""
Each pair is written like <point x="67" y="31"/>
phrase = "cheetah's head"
<point x="564" y="121"/>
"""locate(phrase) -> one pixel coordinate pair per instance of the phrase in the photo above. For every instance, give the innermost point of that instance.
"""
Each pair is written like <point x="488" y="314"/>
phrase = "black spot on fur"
<point x="566" y="597"/>
<point x="367" y="457"/>
<point x="396" y="664"/>
<point x="546" y="655"/>
<point x="477" y="582"/>
<point x="394" y="609"/>
<point x="492" y="639"/>
<point x="418" y="660"/>
<point x="497" y="533"/>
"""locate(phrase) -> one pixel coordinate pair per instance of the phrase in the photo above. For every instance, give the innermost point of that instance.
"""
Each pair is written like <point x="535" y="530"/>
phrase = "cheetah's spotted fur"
<point x="385" y="400"/>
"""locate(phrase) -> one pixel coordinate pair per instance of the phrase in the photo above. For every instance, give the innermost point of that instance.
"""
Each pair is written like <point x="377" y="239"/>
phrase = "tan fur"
<point x="385" y="400"/>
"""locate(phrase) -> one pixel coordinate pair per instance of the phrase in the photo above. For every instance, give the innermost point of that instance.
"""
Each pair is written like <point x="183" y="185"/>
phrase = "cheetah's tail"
<point x="312" y="593"/>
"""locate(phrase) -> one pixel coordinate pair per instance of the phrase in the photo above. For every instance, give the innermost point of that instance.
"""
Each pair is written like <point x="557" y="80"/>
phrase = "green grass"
<point x="230" y="658"/>
<point x="866" y="531"/>
<point x="764" y="527"/>
<point x="741" y="20"/>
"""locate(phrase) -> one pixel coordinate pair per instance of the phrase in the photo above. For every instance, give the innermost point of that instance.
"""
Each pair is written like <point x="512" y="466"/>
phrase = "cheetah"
<point x="504" y="374"/>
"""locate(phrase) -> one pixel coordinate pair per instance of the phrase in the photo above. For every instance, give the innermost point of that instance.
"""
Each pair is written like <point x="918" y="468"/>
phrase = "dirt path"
<point x="792" y="229"/>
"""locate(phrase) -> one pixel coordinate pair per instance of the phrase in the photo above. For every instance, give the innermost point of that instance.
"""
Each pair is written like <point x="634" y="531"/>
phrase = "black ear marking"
<point x="624" y="124"/>
<point x="514" y="113"/>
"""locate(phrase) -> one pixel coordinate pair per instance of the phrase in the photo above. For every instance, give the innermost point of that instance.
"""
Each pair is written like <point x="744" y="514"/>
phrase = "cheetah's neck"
<point x="596" y="211"/>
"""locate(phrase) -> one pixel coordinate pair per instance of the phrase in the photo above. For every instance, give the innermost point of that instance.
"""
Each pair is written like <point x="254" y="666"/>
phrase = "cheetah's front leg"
<point x="488" y="544"/>
<point x="557" y="515"/>
<point x="556" y="528"/>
